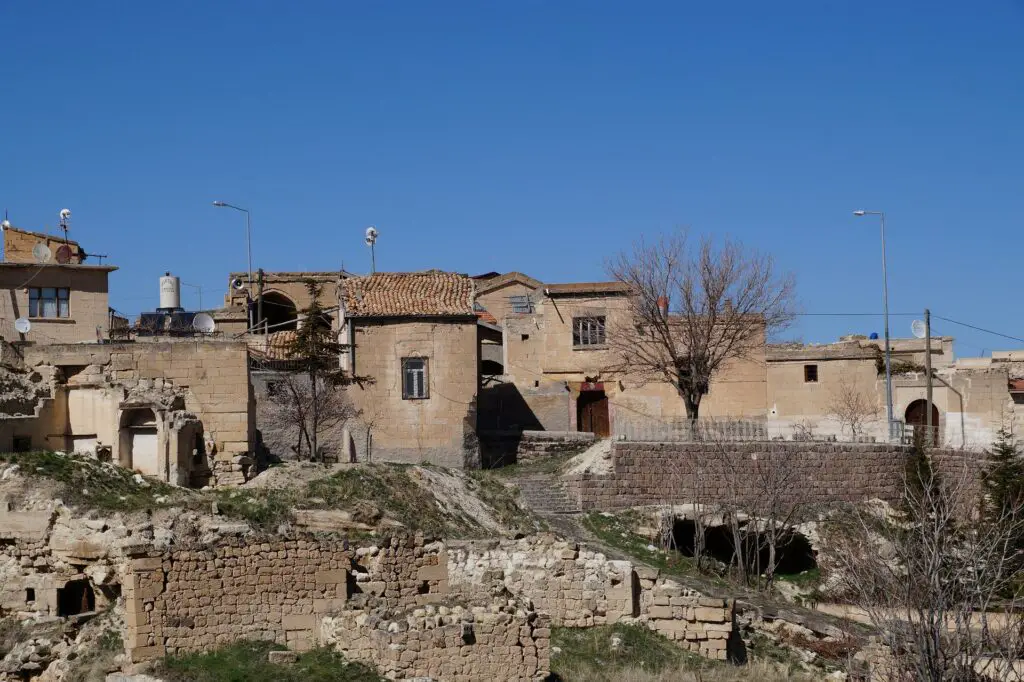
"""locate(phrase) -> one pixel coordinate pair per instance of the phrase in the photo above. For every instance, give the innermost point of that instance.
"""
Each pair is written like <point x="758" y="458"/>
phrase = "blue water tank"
<point x="873" y="336"/>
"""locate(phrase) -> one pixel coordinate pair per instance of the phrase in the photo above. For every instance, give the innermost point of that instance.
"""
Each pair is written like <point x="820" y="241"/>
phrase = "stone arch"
<point x="139" y="441"/>
<point x="279" y="311"/>
<point x="916" y="415"/>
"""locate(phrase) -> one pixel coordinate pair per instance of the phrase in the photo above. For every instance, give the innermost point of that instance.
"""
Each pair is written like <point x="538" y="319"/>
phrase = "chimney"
<point x="663" y="306"/>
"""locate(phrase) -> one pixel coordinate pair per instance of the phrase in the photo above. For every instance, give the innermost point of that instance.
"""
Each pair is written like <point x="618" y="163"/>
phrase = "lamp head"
<point x="219" y="203"/>
<point x="858" y="213"/>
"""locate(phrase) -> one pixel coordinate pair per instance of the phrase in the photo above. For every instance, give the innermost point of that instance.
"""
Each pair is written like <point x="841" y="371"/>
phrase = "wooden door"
<point x="592" y="413"/>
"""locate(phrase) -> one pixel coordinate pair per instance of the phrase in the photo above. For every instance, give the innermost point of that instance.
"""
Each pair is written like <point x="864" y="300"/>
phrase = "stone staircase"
<point x="545" y="494"/>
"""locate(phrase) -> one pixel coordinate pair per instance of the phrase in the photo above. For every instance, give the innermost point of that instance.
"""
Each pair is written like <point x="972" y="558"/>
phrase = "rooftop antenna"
<point x="5" y="223"/>
<point x="65" y="217"/>
<point x="371" y="239"/>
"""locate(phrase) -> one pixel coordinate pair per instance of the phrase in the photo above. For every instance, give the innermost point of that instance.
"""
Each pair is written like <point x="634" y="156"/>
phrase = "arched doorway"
<point x="138" y="441"/>
<point x="917" y="416"/>
<point x="279" y="311"/>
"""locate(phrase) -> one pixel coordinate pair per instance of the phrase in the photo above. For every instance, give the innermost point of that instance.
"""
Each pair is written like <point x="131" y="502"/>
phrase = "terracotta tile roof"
<point x="486" y="317"/>
<point x="1016" y="385"/>
<point x="273" y="346"/>
<point x="409" y="294"/>
<point x="586" y="288"/>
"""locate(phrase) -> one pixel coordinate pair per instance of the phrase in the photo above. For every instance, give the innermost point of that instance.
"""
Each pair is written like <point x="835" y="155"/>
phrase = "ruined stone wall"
<point x="277" y="590"/>
<point x="804" y="473"/>
<point x="507" y="642"/>
<point x="579" y="587"/>
<point x="209" y="377"/>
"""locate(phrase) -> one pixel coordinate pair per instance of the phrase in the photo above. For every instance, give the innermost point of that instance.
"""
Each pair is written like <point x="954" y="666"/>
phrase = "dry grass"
<point x="761" y="671"/>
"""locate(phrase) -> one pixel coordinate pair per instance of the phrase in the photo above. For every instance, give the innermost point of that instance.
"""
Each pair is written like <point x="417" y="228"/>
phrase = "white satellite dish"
<point x="237" y="284"/>
<point x="22" y="325"/>
<point x="371" y="235"/>
<point x="41" y="252"/>
<point x="5" y="223"/>
<point x="202" y="322"/>
<point x="65" y="214"/>
<point x="917" y="328"/>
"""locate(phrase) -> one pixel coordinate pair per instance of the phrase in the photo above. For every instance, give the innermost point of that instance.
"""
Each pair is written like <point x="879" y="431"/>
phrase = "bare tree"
<point x="308" y="414"/>
<point x="693" y="309"/>
<point x="940" y="585"/>
<point x="851" y="407"/>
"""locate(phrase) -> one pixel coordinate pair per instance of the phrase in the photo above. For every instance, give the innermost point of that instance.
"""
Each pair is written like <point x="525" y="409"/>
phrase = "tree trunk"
<point x="314" y="425"/>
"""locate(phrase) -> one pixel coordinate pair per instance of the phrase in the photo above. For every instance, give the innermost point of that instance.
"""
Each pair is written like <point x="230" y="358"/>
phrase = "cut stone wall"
<point x="822" y="473"/>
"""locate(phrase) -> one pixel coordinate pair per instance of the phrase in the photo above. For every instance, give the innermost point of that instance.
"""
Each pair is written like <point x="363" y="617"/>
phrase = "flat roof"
<point x="570" y="288"/>
<point x="61" y="266"/>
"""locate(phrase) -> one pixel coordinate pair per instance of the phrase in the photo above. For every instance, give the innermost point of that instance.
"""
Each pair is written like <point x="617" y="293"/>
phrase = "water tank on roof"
<point x="170" y="292"/>
<point x="873" y="336"/>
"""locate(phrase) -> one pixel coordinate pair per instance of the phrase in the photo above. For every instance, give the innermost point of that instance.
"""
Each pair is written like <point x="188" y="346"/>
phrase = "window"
<point x="22" y="444"/>
<point x="810" y="374"/>
<point x="521" y="304"/>
<point x="414" y="379"/>
<point x="48" y="302"/>
<point x="526" y="337"/>
<point x="30" y="595"/>
<point x="588" y="331"/>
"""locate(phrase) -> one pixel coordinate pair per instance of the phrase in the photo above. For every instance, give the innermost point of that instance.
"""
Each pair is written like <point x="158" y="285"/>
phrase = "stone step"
<point x="546" y="495"/>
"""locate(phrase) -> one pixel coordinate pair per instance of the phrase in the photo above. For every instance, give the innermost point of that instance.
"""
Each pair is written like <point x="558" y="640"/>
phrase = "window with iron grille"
<point x="521" y="304"/>
<point x="588" y="331"/>
<point x="414" y="379"/>
<point x="48" y="302"/>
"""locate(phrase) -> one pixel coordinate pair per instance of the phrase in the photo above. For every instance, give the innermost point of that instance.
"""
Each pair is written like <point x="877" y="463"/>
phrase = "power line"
<point x="980" y="329"/>
<point x="854" y="314"/>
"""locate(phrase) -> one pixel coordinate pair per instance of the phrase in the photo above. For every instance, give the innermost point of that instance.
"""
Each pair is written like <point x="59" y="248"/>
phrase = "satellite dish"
<point x="237" y="284"/>
<point x="63" y="254"/>
<point x="41" y="252"/>
<point x="202" y="322"/>
<point x="65" y="214"/>
<point x="371" y="232"/>
<point x="917" y="329"/>
<point x="5" y="223"/>
<point x="22" y="325"/>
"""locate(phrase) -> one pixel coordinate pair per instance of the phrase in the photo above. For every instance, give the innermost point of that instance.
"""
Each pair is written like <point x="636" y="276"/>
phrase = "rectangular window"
<point x="22" y="444"/>
<point x="588" y="331"/>
<point x="49" y="302"/>
<point x="521" y="304"/>
<point x="414" y="379"/>
<point x="810" y="374"/>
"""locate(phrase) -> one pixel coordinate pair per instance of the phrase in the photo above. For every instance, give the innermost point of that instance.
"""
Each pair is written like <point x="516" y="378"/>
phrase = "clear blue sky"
<point x="529" y="135"/>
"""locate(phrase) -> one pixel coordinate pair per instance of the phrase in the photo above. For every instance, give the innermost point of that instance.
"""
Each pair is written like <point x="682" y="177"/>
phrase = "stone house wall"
<point x="501" y="448"/>
<point x="440" y="429"/>
<point x="822" y="473"/>
<point x="87" y="302"/>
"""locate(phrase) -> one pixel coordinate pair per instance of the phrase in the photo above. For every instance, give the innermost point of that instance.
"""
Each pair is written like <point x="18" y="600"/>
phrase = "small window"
<point x="22" y="444"/>
<point x="522" y="305"/>
<point x="811" y="374"/>
<point x="588" y="331"/>
<point x="414" y="379"/>
<point x="526" y="337"/>
<point x="30" y="595"/>
<point x="49" y="302"/>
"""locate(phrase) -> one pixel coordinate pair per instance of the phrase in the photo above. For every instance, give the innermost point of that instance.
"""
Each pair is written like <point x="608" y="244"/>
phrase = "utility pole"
<point x="932" y="440"/>
<point x="259" y="301"/>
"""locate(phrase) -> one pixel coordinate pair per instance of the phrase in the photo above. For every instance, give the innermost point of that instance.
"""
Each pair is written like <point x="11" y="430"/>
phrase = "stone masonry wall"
<point x="578" y="587"/>
<point x="277" y="590"/>
<point x="669" y="473"/>
<point x="498" y="641"/>
<point x="501" y="448"/>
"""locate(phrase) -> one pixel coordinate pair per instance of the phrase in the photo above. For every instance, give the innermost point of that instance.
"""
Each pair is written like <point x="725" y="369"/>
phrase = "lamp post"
<point x="248" y="231"/>
<point x="885" y="300"/>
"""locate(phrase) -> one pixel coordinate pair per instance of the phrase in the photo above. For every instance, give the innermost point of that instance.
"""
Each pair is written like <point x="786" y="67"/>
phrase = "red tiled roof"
<point x="273" y="346"/>
<point x="409" y="294"/>
<point x="1016" y="385"/>
<point x="486" y="317"/>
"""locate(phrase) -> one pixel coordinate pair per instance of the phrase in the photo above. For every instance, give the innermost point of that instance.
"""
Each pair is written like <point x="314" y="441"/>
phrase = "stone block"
<point x="299" y="621"/>
<point x="282" y="657"/>
<point x="433" y="572"/>
<point x="709" y="615"/>
<point x="333" y="577"/>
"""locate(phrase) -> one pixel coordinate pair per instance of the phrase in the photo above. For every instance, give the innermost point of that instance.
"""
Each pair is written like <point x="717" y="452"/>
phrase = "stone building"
<point x="43" y="279"/>
<point x="414" y="337"/>
<point x="972" y="397"/>
<point x="556" y="362"/>
<point x="284" y="296"/>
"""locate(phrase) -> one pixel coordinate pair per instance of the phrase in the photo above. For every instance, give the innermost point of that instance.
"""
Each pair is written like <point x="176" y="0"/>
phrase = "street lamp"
<point x="248" y="231"/>
<point x="885" y="299"/>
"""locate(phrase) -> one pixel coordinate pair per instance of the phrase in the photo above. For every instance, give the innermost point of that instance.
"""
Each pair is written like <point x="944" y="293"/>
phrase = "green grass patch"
<point x="247" y="662"/>
<point x="555" y="464"/>
<point x="86" y="483"/>
<point x="604" y="653"/>
<point x="809" y="579"/>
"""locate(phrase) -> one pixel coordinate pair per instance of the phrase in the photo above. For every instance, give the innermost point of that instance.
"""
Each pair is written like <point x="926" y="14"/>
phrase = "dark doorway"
<point x="75" y="597"/>
<point x="592" y="413"/>
<point x="917" y="415"/>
